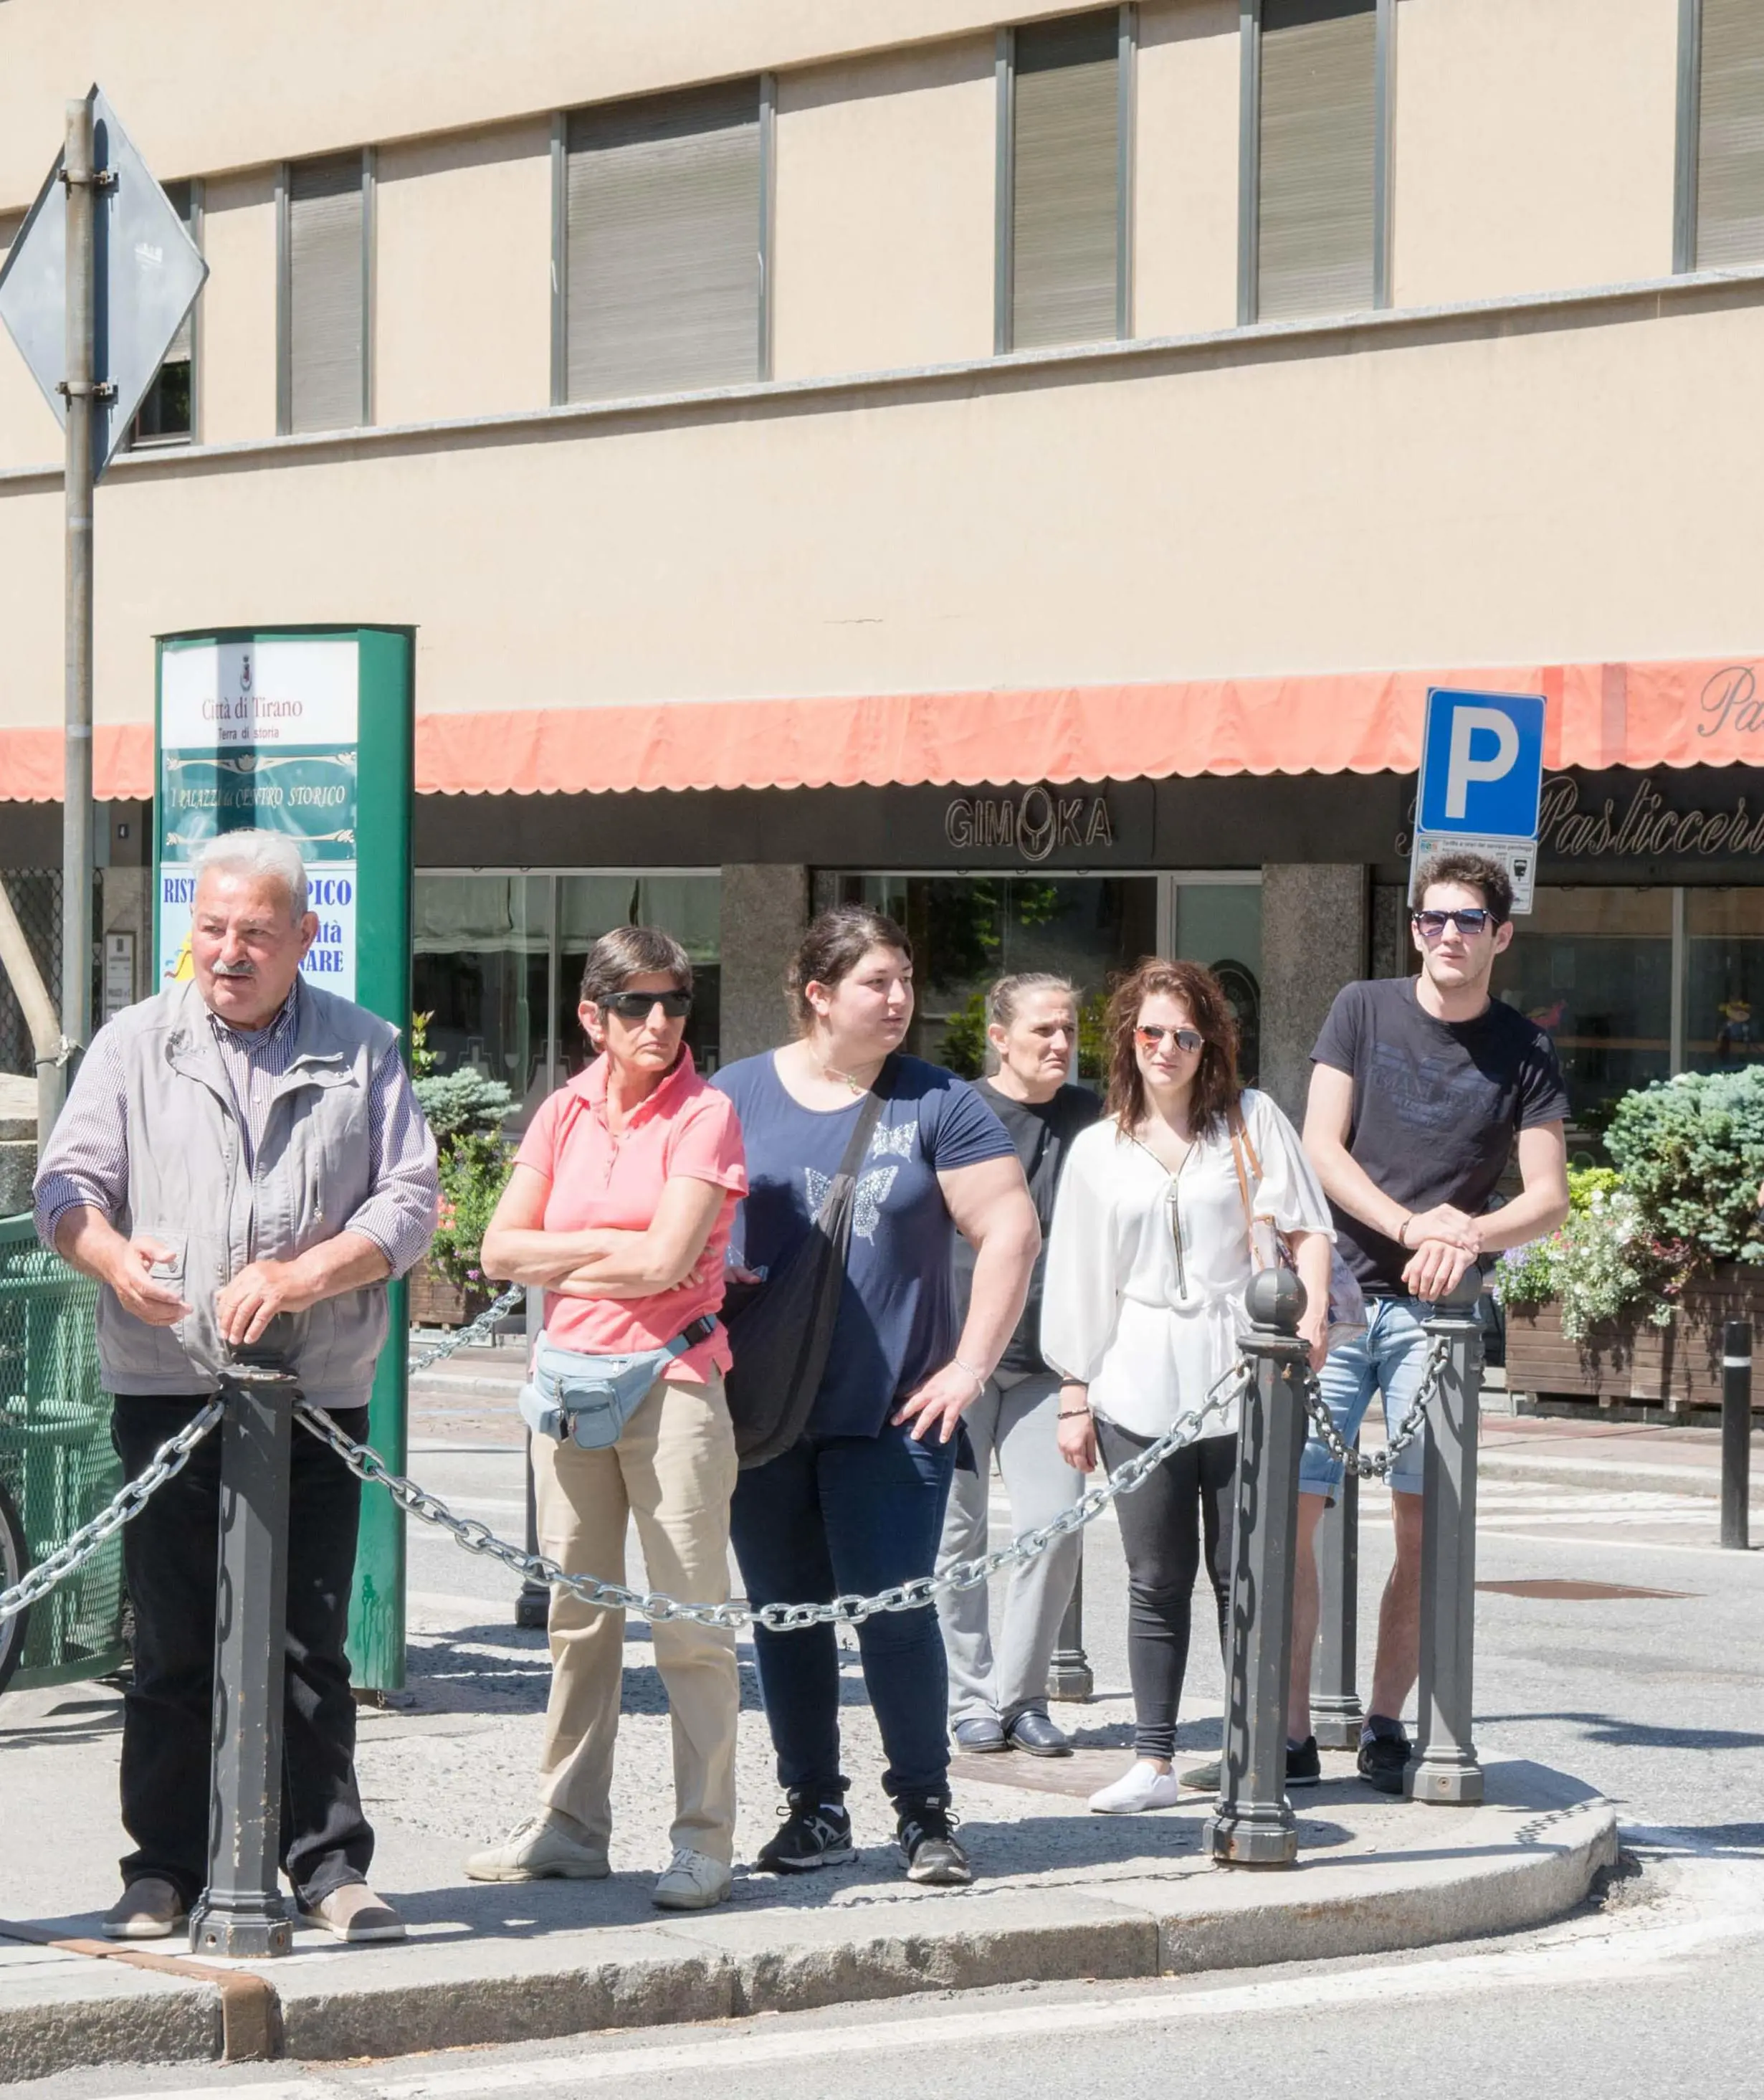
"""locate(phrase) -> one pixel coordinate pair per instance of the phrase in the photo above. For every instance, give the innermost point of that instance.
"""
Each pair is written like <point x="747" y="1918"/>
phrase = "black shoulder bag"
<point x="780" y="1331"/>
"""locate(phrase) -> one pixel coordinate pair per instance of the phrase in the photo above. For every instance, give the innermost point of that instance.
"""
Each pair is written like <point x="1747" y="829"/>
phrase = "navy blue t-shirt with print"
<point x="896" y="1319"/>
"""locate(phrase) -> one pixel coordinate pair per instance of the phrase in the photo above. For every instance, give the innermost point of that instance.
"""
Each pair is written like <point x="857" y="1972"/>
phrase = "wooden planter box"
<point x="1630" y="1361"/>
<point x="435" y="1302"/>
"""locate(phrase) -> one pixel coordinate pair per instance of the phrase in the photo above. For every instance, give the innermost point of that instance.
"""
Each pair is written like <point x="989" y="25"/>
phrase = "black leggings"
<point x="1162" y="1525"/>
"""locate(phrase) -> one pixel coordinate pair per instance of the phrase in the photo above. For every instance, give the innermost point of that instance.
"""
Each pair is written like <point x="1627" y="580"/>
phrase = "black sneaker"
<point x="1384" y="1755"/>
<point x="816" y="1833"/>
<point x="1303" y="1768"/>
<point x="927" y="1842"/>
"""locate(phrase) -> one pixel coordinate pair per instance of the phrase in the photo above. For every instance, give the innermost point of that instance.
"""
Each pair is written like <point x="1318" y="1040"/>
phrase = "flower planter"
<point x="437" y="1301"/>
<point x="1630" y="1361"/>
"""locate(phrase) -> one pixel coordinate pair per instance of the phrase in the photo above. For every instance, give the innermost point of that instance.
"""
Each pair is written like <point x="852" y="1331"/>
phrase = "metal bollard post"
<point x="1336" y="1712"/>
<point x="1069" y="1676"/>
<point x="1736" y="1435"/>
<point x="532" y="1607"/>
<point x="1445" y="1769"/>
<point x="1253" y="1825"/>
<point x="241" y="1911"/>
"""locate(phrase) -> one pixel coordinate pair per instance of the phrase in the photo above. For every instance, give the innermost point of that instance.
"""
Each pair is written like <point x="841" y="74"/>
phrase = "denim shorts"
<point x="1389" y="1356"/>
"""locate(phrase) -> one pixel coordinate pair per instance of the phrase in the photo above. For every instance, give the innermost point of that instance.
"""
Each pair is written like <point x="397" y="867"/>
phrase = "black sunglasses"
<point x="1470" y="921"/>
<point x="639" y="1005"/>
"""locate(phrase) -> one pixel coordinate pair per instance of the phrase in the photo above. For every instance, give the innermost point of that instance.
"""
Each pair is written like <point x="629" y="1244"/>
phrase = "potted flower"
<point x="1627" y="1301"/>
<point x="466" y="1111"/>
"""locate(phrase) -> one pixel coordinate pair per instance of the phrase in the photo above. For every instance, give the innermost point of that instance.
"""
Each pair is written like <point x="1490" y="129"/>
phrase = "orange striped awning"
<point x="1639" y="715"/>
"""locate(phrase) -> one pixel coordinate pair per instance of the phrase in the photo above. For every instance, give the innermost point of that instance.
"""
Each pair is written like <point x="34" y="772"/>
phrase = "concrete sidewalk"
<point x="1060" y="1894"/>
<point x="1622" y="1457"/>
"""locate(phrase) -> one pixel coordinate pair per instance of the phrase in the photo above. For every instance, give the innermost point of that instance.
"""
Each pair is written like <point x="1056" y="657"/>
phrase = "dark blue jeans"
<point x="849" y="1516"/>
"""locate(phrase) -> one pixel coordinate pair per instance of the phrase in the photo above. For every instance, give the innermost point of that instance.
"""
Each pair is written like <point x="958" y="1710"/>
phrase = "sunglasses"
<point x="639" y="1005"/>
<point x="1430" y="925"/>
<point x="1186" y="1038"/>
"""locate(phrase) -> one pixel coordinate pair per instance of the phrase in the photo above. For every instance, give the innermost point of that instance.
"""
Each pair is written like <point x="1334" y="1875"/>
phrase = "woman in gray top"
<point x="998" y="1689"/>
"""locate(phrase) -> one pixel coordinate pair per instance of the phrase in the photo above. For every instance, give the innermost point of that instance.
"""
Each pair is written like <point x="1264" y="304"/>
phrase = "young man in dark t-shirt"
<point x="1420" y="1088"/>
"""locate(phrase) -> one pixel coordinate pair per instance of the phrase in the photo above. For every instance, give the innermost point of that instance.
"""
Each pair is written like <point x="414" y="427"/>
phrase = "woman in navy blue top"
<point x="856" y="1504"/>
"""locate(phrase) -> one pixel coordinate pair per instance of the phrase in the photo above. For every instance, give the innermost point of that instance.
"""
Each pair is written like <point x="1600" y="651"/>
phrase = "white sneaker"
<point x="546" y="1845"/>
<point x="1142" y="1786"/>
<point x="692" y="1880"/>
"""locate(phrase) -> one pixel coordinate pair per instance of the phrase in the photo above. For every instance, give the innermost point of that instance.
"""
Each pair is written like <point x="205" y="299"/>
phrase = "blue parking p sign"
<point x="1481" y="764"/>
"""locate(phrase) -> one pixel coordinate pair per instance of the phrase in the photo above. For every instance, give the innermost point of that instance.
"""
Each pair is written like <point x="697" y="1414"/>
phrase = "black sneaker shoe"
<point x="1384" y="1755"/>
<point x="816" y="1833"/>
<point x="927" y="1842"/>
<point x="1303" y="1768"/>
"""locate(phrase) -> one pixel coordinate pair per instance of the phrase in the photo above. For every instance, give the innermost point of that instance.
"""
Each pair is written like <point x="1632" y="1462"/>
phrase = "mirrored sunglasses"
<point x="1187" y="1038"/>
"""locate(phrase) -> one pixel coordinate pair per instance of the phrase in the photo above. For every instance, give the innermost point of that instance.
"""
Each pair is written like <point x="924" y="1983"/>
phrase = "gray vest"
<point x="190" y="1187"/>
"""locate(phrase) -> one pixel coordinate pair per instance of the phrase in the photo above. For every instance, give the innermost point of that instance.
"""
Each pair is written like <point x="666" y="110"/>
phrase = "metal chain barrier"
<point x="168" y="1461"/>
<point x="512" y="1296"/>
<point x="478" y="1537"/>
<point x="1380" y="1467"/>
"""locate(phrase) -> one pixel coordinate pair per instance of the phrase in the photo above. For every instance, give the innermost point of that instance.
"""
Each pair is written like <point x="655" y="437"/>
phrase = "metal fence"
<point x="36" y="895"/>
<point x="57" y="1465"/>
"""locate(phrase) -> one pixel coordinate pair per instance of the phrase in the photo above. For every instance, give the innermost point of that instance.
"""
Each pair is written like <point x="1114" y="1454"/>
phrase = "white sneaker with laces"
<point x="546" y="1846"/>
<point x="1142" y="1786"/>
<point x="692" y="1880"/>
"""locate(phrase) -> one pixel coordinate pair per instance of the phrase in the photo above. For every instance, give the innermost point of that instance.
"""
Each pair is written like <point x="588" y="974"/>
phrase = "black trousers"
<point x="1163" y="1523"/>
<point x="170" y="1558"/>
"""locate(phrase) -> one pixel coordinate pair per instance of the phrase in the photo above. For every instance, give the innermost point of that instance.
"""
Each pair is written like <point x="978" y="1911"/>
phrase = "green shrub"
<point x="466" y="1111"/>
<point x="963" y="1048"/>
<point x="1690" y="1151"/>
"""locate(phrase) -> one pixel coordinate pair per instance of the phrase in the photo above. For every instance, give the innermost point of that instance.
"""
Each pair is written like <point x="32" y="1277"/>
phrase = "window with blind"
<point x="1065" y="234"/>
<point x="1317" y="170"/>
<point x="167" y="413"/>
<point x="1729" y="142"/>
<point x="661" y="244"/>
<point x="325" y="294"/>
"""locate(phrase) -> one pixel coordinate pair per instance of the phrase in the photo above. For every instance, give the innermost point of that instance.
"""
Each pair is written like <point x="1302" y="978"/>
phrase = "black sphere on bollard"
<point x="1276" y="1299"/>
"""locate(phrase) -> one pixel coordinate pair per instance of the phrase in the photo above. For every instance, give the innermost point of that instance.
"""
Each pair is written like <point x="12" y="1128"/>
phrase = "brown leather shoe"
<point x="149" y="1908"/>
<point x="355" y="1914"/>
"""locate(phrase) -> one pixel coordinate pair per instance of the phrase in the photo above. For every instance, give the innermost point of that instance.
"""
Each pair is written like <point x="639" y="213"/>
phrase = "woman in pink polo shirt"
<point x="620" y="1204"/>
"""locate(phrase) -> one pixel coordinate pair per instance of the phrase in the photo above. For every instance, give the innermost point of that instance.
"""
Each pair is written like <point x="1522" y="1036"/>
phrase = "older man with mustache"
<point x="241" y="1160"/>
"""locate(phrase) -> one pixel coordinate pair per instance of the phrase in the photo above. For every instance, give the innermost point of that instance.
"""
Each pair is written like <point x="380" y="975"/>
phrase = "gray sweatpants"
<point x="1014" y="1419"/>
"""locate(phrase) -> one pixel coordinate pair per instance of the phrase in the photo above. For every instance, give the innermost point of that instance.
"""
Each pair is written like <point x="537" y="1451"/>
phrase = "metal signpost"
<point x="94" y="290"/>
<point x="308" y="730"/>
<point x="1482" y="782"/>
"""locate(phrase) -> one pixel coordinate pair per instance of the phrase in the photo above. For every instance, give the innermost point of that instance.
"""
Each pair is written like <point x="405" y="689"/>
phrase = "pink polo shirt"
<point x="684" y="1128"/>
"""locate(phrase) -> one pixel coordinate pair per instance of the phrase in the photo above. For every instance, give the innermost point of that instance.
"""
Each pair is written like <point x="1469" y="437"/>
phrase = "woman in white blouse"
<point x="1148" y="1261"/>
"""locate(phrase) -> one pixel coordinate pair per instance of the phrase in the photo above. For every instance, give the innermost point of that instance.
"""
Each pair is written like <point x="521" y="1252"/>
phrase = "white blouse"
<point x="1147" y="1269"/>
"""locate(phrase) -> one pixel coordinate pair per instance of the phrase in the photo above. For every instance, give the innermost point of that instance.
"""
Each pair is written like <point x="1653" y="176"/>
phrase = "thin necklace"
<point x="833" y="1072"/>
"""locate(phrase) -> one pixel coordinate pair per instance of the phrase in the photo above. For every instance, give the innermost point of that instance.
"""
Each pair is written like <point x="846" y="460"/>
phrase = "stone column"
<point x="18" y="1143"/>
<point x="765" y="909"/>
<point x="1313" y="942"/>
<point x="1393" y="953"/>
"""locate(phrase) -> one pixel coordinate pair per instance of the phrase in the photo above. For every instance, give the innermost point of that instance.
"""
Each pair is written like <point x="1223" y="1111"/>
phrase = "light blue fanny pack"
<point x="585" y="1399"/>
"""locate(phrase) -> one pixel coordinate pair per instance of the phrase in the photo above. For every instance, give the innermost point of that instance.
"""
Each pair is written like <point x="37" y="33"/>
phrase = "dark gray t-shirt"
<point x="1437" y="1106"/>
<point x="1043" y="1132"/>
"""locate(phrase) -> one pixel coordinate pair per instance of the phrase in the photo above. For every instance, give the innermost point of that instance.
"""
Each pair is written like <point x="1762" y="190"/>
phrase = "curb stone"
<point x="1515" y="1862"/>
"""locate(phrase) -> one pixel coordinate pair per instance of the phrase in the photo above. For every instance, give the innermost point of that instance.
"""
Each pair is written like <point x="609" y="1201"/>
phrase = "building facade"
<point x="1025" y="467"/>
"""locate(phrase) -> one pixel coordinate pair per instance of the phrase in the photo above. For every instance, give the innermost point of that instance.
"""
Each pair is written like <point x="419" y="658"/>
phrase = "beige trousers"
<point x="674" y="1470"/>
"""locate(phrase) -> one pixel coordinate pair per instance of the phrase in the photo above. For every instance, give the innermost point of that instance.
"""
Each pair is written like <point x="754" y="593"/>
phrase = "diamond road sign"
<point x="149" y="270"/>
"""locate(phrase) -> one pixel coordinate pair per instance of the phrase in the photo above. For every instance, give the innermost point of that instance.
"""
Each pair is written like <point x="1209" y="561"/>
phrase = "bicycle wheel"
<point x="15" y="1562"/>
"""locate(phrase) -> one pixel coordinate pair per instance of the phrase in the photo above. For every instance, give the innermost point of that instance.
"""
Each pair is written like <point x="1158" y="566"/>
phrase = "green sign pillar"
<point x="308" y="730"/>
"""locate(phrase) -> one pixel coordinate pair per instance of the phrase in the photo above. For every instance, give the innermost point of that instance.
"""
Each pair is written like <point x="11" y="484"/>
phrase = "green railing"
<point x="56" y="1461"/>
